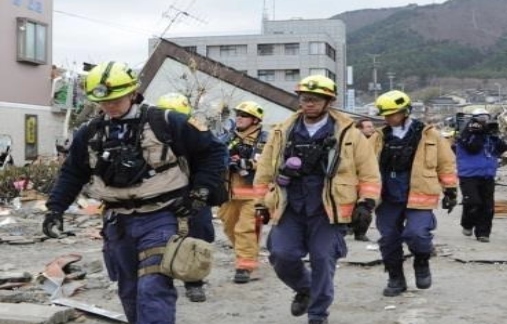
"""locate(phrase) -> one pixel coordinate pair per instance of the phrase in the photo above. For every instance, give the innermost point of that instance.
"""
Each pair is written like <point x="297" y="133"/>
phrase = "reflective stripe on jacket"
<point x="433" y="169"/>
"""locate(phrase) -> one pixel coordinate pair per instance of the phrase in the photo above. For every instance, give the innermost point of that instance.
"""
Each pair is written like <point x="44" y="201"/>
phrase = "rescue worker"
<point x="416" y="165"/>
<point x="359" y="229"/>
<point x="317" y="172"/>
<point x="478" y="149"/>
<point x="366" y="127"/>
<point x="200" y="225"/>
<point x="143" y="183"/>
<point x="238" y="214"/>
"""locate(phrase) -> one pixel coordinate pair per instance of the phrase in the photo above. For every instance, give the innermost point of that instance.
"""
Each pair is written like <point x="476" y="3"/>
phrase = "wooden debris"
<point x="501" y="208"/>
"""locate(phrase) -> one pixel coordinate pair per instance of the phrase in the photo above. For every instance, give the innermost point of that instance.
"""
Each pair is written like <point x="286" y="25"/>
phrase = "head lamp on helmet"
<point x="109" y="81"/>
<point x="393" y="102"/>
<point x="317" y="84"/>
<point x="176" y="102"/>
<point x="251" y="108"/>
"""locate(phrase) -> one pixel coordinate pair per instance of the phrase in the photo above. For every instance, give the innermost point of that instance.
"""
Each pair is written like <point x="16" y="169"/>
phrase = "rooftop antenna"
<point x="265" y="13"/>
<point x="173" y="19"/>
<point x="265" y="10"/>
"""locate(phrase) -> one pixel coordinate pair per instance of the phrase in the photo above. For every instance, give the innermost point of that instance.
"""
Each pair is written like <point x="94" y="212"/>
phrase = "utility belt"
<point x="138" y="203"/>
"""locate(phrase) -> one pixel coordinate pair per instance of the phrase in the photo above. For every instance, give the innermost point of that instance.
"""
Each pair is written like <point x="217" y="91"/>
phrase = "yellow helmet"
<point x="108" y="81"/>
<point x="252" y="108"/>
<point x="317" y="84"/>
<point x="393" y="102"/>
<point x="176" y="102"/>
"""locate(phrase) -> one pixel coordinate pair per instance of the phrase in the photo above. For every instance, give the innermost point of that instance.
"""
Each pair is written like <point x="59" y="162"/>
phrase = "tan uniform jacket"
<point x="433" y="169"/>
<point x="353" y="172"/>
<point x="240" y="187"/>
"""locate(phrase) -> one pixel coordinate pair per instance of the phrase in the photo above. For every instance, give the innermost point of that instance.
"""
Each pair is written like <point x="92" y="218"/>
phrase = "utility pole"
<point x="499" y="86"/>
<point x="375" y="87"/>
<point x="390" y="76"/>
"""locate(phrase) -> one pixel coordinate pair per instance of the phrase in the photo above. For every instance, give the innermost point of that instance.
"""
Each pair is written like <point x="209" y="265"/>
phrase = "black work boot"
<point x="300" y="303"/>
<point x="396" y="283"/>
<point x="361" y="238"/>
<point x="422" y="271"/>
<point x="318" y="321"/>
<point x="242" y="276"/>
<point x="196" y="294"/>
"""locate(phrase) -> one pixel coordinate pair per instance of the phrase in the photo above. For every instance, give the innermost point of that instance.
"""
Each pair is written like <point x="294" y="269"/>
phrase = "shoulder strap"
<point x="157" y="118"/>
<point x="93" y="126"/>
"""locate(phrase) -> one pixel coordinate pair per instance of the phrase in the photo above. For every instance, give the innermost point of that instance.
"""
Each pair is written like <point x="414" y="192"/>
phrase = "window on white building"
<point x="265" y="49"/>
<point x="324" y="72"/>
<point x="191" y="49"/>
<point x="330" y="52"/>
<point x="317" y="48"/>
<point x="291" y="48"/>
<point x="322" y="48"/>
<point x="32" y="37"/>
<point x="292" y="75"/>
<point x="232" y="50"/>
<point x="266" y="75"/>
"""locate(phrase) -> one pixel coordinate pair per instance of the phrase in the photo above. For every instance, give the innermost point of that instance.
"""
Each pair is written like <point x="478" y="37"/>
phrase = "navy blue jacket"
<point x="477" y="155"/>
<point x="202" y="149"/>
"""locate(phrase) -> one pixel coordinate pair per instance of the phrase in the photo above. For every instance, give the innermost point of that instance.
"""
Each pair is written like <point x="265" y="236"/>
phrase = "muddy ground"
<point x="470" y="280"/>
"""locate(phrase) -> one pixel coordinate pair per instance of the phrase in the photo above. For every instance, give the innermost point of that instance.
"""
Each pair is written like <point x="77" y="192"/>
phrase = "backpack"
<point x="158" y="122"/>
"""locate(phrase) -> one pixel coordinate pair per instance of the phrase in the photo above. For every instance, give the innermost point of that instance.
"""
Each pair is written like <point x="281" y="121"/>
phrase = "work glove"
<point x="361" y="216"/>
<point x="262" y="212"/>
<point x="192" y="203"/>
<point x="450" y="199"/>
<point x="51" y="220"/>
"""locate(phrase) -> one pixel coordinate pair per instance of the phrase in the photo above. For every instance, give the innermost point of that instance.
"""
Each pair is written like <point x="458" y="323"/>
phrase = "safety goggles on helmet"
<point x="243" y="115"/>
<point x="311" y="98"/>
<point x="115" y="81"/>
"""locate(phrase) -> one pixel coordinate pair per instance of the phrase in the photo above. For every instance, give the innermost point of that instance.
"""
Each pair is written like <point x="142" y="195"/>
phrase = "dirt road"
<point x="463" y="292"/>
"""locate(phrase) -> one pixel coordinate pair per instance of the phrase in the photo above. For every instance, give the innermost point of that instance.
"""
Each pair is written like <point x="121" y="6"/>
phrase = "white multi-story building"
<point x="284" y="52"/>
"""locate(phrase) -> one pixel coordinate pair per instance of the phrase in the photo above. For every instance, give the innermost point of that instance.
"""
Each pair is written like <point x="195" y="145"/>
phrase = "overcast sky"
<point x="103" y="30"/>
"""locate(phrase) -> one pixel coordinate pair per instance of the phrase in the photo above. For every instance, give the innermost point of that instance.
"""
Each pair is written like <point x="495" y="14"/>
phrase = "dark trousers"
<point x="297" y="235"/>
<point x="152" y="297"/>
<point x="397" y="224"/>
<point x="201" y="227"/>
<point x="478" y="204"/>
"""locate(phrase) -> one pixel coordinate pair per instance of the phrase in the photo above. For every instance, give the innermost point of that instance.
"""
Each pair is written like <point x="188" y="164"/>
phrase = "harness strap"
<point x="151" y="252"/>
<point x="148" y="270"/>
<point x="137" y="203"/>
<point x="160" y="250"/>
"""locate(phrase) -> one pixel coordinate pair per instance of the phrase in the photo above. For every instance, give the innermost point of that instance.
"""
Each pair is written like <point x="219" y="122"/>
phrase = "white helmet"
<point x="479" y="112"/>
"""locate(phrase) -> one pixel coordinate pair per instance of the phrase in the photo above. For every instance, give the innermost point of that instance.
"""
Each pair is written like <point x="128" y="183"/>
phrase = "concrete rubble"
<point x="32" y="298"/>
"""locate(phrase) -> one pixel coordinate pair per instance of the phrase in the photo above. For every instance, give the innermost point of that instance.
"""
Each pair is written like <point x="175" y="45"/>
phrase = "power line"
<point x="108" y="23"/>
